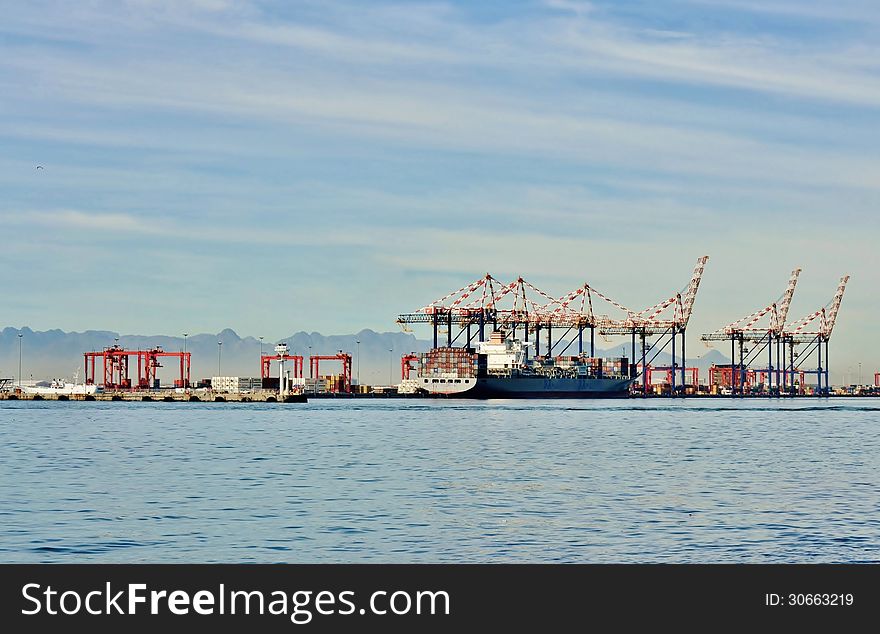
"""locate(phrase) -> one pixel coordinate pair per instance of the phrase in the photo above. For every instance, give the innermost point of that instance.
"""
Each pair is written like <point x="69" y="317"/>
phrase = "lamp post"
<point x="358" y="342"/>
<point x="390" y="367"/>
<point x="115" y="362"/>
<point x="261" y="361"/>
<point x="310" y="363"/>
<point x="19" y="360"/>
<point x="219" y="352"/>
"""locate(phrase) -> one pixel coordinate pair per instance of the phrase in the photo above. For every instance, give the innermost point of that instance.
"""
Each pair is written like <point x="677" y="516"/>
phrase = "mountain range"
<point x="56" y="353"/>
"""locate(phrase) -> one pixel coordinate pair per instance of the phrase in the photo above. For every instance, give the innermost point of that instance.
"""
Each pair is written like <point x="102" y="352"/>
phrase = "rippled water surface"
<point x="441" y="481"/>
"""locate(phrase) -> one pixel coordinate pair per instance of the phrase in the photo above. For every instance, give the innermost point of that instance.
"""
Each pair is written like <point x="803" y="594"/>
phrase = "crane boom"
<point x="690" y="294"/>
<point x="831" y="315"/>
<point x="785" y="303"/>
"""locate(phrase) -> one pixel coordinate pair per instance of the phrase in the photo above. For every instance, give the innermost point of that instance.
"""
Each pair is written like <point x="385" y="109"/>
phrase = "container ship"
<point x="501" y="368"/>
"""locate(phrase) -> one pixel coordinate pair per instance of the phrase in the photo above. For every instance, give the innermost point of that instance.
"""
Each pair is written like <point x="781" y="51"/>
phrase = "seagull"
<point x="39" y="167"/>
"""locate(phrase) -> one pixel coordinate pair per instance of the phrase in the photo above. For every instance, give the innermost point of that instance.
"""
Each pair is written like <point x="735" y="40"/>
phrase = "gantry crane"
<point x="408" y="363"/>
<point x="800" y="333"/>
<point x="484" y="302"/>
<point x="520" y="306"/>
<point x="281" y="355"/>
<point x="115" y="361"/>
<point x="344" y="358"/>
<point x="667" y="318"/>
<point x="761" y="328"/>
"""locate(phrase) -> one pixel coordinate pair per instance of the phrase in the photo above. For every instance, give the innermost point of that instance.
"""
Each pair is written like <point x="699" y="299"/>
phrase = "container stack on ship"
<point x="447" y="371"/>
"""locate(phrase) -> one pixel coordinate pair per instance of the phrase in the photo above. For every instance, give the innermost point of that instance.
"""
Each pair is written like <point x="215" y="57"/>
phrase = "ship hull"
<point x="67" y="390"/>
<point x="541" y="387"/>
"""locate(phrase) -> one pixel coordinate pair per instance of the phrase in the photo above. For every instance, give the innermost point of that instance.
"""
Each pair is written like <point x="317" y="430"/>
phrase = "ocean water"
<point x="441" y="481"/>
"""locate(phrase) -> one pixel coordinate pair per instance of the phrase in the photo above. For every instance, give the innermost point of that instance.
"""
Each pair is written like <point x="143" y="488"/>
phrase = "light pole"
<point x="310" y="363"/>
<point x="185" y="364"/>
<point x="219" y="351"/>
<point x="115" y="366"/>
<point x="358" y="342"/>
<point x="860" y="373"/>
<point x="261" y="361"/>
<point x="390" y="367"/>
<point x="19" y="360"/>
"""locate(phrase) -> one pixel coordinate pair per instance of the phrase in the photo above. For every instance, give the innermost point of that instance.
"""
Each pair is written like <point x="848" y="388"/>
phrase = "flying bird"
<point x="39" y="167"/>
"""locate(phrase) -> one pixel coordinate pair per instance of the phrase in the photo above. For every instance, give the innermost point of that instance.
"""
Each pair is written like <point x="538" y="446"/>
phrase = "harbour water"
<point x="699" y="480"/>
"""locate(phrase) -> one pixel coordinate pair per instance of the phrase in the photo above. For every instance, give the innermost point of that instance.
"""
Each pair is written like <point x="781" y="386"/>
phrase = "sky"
<point x="323" y="166"/>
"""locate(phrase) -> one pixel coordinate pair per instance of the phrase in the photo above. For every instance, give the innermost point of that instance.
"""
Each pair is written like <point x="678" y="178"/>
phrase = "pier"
<point x="173" y="396"/>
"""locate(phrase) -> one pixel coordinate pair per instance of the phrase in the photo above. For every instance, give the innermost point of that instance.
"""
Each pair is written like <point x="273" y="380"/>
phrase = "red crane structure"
<point x="730" y="376"/>
<point x="266" y="364"/>
<point x="281" y="355"/>
<point x="877" y="379"/>
<point x="345" y="358"/>
<point x="670" y="379"/>
<point x="406" y="365"/>
<point x="115" y="367"/>
<point x="762" y="376"/>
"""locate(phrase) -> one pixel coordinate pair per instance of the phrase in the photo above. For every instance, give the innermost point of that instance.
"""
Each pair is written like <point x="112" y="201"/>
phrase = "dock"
<point x="173" y="396"/>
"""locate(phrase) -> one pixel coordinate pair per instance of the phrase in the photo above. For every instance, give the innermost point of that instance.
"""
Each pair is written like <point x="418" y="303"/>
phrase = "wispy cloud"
<point x="63" y="221"/>
<point x="449" y="117"/>
<point x="583" y="37"/>
<point x="390" y="141"/>
<point x="855" y="11"/>
<point x="66" y="219"/>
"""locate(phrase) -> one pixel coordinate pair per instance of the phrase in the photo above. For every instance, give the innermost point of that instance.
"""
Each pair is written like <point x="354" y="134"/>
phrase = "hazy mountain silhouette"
<point x="55" y="353"/>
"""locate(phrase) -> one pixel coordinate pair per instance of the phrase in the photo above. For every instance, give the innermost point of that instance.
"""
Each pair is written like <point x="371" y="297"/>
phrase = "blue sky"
<point x="282" y="166"/>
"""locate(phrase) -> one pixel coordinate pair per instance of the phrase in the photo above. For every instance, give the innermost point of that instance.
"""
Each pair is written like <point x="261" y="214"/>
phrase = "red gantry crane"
<point x="406" y="365"/>
<point x="342" y="386"/>
<point x="281" y="356"/>
<point x="266" y="365"/>
<point x="115" y="367"/>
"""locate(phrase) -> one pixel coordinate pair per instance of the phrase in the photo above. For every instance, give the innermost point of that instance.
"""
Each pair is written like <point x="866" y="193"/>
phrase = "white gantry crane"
<point x="813" y="331"/>
<point x="763" y="330"/>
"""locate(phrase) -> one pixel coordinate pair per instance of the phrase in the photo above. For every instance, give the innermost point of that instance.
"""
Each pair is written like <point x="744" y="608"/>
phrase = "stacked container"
<point x="615" y="366"/>
<point x="566" y="362"/>
<point x="594" y="366"/>
<point x="457" y="362"/>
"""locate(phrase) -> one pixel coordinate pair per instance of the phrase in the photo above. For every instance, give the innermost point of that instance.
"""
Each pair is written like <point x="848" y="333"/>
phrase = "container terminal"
<point x="518" y="313"/>
<point x="511" y="340"/>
